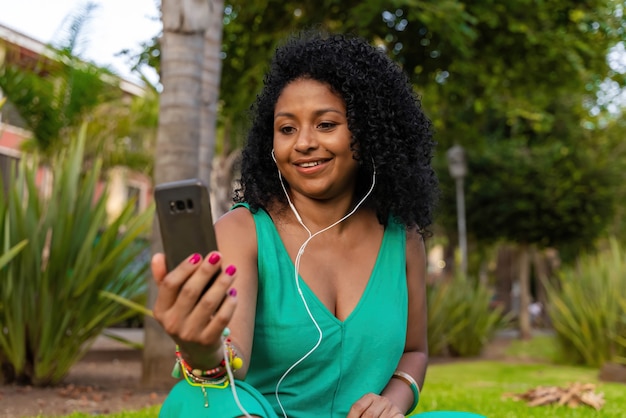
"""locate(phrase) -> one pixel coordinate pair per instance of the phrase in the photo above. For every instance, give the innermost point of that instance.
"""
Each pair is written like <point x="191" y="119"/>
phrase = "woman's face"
<point x="312" y="141"/>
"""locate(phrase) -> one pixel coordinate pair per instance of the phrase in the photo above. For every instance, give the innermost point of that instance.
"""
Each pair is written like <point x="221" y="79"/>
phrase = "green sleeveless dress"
<point x="291" y="370"/>
<point x="354" y="357"/>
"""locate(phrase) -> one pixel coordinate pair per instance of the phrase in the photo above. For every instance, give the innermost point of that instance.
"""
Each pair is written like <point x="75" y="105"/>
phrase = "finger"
<point x="205" y="313"/>
<point x="170" y="286"/>
<point x="359" y="407"/>
<point x="383" y="408"/>
<point x="207" y="273"/>
<point x="221" y="319"/>
<point x="375" y="406"/>
<point x="157" y="265"/>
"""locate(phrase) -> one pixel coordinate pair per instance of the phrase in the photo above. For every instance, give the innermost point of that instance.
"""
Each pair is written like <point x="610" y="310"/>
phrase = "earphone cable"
<point x="297" y="279"/>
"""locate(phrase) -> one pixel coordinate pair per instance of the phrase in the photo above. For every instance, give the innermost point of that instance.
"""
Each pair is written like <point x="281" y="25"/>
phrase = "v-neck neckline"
<point x="313" y="296"/>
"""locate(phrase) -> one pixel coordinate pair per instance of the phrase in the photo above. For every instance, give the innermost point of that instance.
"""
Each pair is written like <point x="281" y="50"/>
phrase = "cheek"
<point x="281" y="152"/>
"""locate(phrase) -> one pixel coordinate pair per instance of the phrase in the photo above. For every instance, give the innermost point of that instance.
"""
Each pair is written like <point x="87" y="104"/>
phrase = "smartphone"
<point x="185" y="220"/>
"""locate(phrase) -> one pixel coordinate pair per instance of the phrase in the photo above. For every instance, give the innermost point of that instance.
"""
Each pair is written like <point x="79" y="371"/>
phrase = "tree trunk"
<point x="222" y="176"/>
<point x="211" y="75"/>
<point x="525" y="327"/>
<point x="543" y="262"/>
<point x="185" y="23"/>
<point x="505" y="276"/>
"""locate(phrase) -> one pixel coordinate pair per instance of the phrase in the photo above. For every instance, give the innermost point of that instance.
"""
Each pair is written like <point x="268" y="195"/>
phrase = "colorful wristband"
<point x="214" y="376"/>
<point x="408" y="379"/>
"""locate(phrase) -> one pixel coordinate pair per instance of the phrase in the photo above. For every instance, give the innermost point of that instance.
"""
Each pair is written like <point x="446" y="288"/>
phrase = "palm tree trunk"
<point x="212" y="71"/>
<point x="185" y="23"/>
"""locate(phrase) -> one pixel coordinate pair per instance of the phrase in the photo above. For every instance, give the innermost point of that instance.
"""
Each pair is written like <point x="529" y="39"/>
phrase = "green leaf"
<point x="12" y="252"/>
<point x="74" y="253"/>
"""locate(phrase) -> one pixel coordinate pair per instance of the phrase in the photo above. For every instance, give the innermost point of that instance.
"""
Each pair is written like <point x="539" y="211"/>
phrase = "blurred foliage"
<point x="551" y="195"/>
<point x="52" y="302"/>
<point x="461" y="318"/>
<point x="124" y="132"/>
<point x="252" y="30"/>
<point x="511" y="82"/>
<point x="51" y="104"/>
<point x="588" y="308"/>
<point x="525" y="107"/>
<point x="59" y="91"/>
<point x="56" y="91"/>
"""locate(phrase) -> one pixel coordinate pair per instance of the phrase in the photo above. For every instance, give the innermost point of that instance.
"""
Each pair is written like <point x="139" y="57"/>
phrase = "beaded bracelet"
<point x="216" y="376"/>
<point x="408" y="379"/>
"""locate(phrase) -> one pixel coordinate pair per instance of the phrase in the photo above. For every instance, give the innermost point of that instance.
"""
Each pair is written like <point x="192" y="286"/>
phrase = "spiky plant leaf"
<point x="51" y="292"/>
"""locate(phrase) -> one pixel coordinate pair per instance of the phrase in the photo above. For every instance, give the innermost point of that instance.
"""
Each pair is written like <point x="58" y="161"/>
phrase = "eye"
<point x="325" y="126"/>
<point x="286" y="130"/>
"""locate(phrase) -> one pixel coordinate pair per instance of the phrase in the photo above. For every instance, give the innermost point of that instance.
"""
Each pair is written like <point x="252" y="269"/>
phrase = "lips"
<point x="310" y="163"/>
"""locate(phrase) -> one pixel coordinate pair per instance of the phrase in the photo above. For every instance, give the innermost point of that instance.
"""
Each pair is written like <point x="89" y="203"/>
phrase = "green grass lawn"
<point x="541" y="348"/>
<point x="480" y="386"/>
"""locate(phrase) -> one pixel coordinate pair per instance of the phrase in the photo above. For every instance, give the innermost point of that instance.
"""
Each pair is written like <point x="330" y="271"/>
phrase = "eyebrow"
<point x="317" y="113"/>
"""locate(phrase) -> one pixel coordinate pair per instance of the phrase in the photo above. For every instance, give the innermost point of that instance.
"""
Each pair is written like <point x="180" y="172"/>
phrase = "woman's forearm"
<point x="398" y="390"/>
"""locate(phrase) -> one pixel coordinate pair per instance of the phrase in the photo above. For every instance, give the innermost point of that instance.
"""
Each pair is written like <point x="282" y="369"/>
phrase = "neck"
<point x="317" y="215"/>
<point x="323" y="214"/>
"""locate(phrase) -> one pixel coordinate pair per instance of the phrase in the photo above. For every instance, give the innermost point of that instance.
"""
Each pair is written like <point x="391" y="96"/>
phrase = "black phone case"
<point x="185" y="220"/>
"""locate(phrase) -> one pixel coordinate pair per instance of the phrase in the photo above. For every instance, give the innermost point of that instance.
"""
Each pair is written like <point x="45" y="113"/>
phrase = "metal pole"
<point x="457" y="165"/>
<point x="460" y="210"/>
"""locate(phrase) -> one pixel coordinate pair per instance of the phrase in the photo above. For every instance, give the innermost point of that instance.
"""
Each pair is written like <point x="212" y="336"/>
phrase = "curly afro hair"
<point x="384" y="115"/>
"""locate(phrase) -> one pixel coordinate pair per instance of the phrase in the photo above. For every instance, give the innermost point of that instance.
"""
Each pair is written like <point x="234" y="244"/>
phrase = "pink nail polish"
<point x="194" y="259"/>
<point x="214" y="258"/>
<point x="232" y="292"/>
<point x="230" y="270"/>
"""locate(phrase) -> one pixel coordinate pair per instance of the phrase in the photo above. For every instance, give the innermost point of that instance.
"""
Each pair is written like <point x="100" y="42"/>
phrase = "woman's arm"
<point x="237" y="240"/>
<point x="415" y="357"/>
<point x="197" y="324"/>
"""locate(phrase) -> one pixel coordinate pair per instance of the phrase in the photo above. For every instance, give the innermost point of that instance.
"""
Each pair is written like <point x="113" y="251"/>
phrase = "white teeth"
<point x="307" y="165"/>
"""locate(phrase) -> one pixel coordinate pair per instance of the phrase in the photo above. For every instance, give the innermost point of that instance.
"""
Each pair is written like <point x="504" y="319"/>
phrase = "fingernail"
<point x="232" y="292"/>
<point x="195" y="259"/>
<point x="230" y="270"/>
<point x="214" y="258"/>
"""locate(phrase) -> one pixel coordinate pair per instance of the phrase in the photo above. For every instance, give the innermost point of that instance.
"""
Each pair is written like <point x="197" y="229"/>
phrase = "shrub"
<point x="460" y="317"/>
<point x="52" y="303"/>
<point x="588" y="308"/>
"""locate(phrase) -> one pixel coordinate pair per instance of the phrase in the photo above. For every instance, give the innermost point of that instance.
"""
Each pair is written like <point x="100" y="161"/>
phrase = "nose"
<point x="306" y="140"/>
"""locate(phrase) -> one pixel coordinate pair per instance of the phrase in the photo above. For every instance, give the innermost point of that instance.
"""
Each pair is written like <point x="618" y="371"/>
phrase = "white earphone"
<point x="297" y="267"/>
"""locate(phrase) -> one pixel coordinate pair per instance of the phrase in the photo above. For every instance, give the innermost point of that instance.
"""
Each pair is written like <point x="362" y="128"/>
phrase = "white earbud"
<point x="273" y="156"/>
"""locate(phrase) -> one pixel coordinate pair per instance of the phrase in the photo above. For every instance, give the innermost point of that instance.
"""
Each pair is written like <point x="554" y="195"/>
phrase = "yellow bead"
<point x="196" y="372"/>
<point x="237" y="363"/>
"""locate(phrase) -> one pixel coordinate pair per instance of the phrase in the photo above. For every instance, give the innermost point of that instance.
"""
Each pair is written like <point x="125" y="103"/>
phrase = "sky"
<point x="113" y="26"/>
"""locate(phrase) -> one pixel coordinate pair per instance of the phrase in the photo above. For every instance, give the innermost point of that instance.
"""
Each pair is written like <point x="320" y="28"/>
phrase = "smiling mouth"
<point x="310" y="164"/>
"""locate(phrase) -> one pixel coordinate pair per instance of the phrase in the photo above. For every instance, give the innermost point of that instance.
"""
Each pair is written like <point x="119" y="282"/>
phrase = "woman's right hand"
<point x="194" y="320"/>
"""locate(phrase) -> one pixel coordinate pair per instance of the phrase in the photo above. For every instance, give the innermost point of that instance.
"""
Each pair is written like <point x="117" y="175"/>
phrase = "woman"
<point x="321" y="295"/>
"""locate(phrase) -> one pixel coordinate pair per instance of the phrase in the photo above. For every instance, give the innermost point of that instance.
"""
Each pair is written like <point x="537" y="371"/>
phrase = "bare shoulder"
<point x="240" y="217"/>
<point x="236" y="227"/>
<point x="415" y="254"/>
<point x="414" y="243"/>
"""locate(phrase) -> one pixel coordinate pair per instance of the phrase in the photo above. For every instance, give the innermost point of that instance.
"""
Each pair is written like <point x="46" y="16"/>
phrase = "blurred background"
<point x="526" y="100"/>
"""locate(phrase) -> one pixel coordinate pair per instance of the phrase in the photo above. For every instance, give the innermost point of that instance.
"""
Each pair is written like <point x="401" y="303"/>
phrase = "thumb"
<point x="158" y="267"/>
